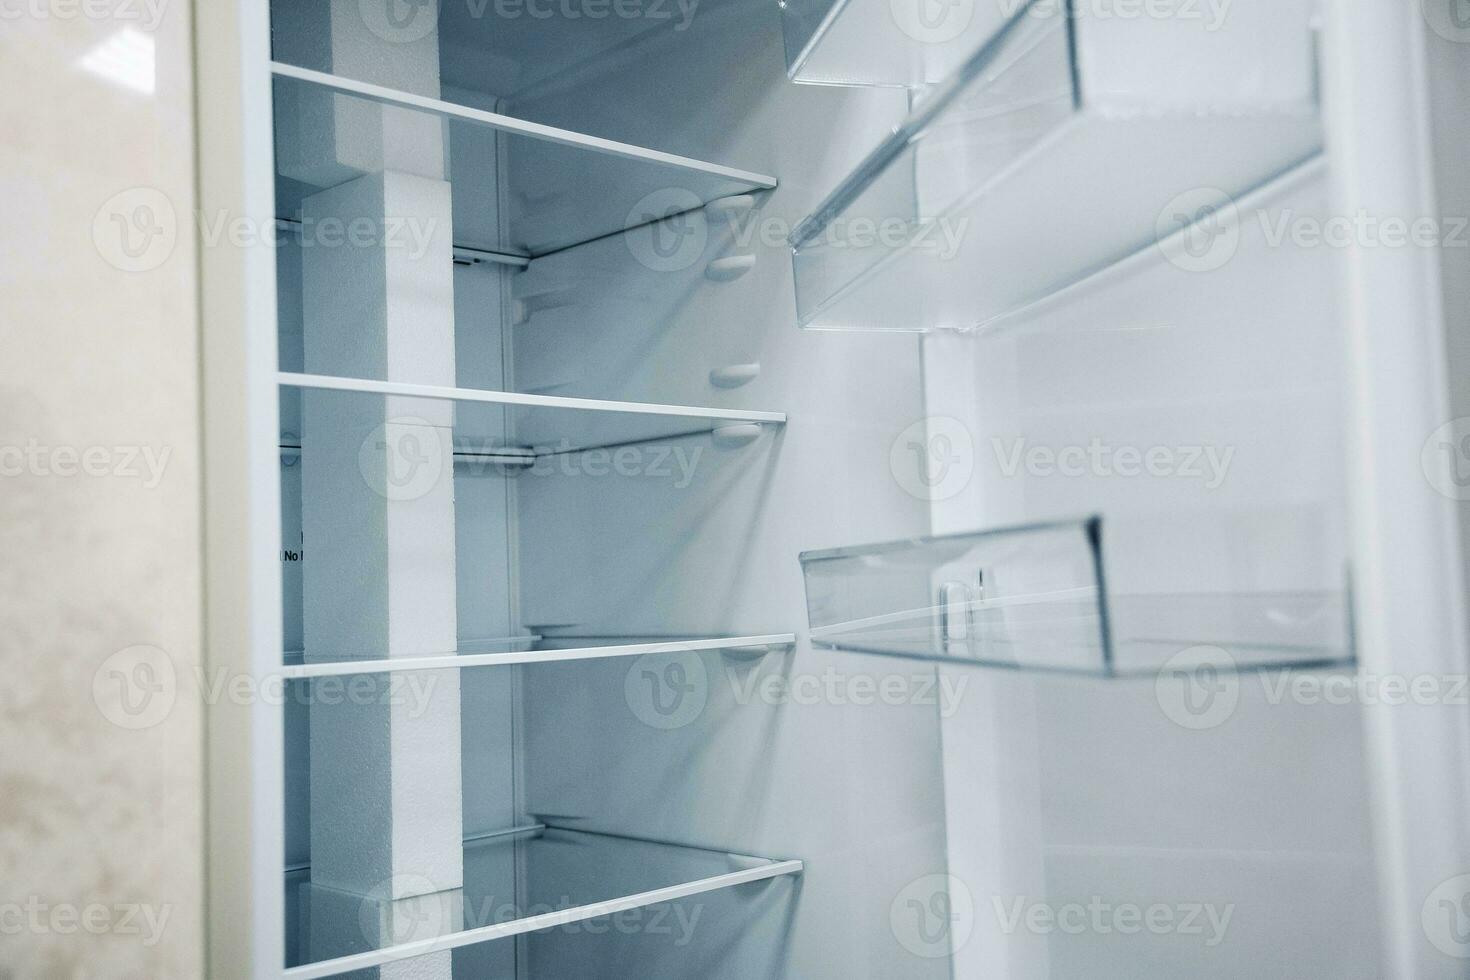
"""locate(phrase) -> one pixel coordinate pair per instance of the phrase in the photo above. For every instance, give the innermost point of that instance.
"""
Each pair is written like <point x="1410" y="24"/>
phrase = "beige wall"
<point x="101" y="860"/>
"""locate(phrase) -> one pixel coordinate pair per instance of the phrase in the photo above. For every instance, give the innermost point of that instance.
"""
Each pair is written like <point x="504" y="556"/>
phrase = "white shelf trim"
<point x="340" y="668"/>
<point x="323" y="382"/>
<point x="548" y="920"/>
<point x="510" y="124"/>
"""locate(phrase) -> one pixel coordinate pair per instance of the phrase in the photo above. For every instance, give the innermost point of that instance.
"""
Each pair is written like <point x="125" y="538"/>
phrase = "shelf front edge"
<point x="511" y="124"/>
<point x="324" y="382"/>
<point x="339" y="668"/>
<point x="535" y="923"/>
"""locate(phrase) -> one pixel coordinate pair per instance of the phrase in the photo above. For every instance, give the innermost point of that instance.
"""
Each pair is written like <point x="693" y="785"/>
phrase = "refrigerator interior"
<point x="622" y="523"/>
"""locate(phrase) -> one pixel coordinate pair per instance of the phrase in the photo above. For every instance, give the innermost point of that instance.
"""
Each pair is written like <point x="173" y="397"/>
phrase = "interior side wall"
<point x="1058" y="790"/>
<point x="1448" y="61"/>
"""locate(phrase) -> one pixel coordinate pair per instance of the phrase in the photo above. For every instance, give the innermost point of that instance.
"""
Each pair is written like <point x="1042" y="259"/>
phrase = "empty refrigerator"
<point x="825" y="490"/>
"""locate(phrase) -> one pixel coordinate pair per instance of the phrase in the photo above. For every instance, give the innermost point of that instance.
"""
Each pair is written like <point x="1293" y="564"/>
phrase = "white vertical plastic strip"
<point x="1410" y="607"/>
<point x="245" y="844"/>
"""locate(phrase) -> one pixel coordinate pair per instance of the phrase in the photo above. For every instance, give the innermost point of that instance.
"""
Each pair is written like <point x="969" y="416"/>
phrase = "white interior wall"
<point x="483" y="509"/>
<point x="1267" y="811"/>
<point x="851" y="789"/>
<point x="1448" y="68"/>
<point x="483" y="503"/>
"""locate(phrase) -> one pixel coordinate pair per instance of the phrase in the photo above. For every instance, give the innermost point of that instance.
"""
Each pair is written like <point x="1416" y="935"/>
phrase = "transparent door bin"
<point x="1063" y="146"/>
<point x="1036" y="598"/>
<point x="890" y="43"/>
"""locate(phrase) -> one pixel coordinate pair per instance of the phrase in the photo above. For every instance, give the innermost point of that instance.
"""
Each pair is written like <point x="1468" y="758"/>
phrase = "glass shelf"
<point x="1037" y="598"/>
<point x="1062" y="147"/>
<point x="515" y="52"/>
<point x="519" y="188"/>
<point x="506" y="430"/>
<point x="514" y="883"/>
<point x="503" y="652"/>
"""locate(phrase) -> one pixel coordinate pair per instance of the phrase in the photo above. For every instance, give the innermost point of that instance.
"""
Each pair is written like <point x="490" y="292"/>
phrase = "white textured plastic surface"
<point x="385" y="789"/>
